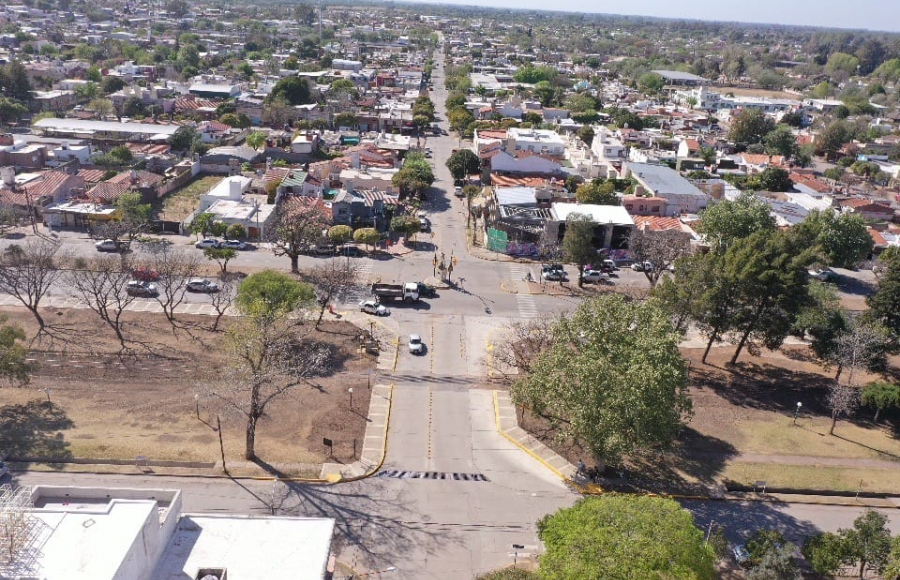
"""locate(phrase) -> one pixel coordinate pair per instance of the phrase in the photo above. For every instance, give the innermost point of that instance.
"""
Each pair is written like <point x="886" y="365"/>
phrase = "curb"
<point x="387" y="423"/>
<point x="500" y="430"/>
<point x="396" y="359"/>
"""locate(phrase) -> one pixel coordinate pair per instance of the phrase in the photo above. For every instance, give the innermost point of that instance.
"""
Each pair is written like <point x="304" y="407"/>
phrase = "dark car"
<point x="426" y="290"/>
<point x="350" y="250"/>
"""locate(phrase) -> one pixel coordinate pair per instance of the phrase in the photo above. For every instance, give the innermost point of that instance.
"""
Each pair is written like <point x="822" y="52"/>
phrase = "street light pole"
<point x="350" y="390"/>
<point x="797" y="412"/>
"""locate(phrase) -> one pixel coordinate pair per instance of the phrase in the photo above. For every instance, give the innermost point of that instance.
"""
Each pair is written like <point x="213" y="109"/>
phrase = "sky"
<point x="865" y="14"/>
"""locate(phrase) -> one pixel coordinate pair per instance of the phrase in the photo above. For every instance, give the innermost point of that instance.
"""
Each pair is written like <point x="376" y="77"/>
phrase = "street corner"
<point x="509" y="286"/>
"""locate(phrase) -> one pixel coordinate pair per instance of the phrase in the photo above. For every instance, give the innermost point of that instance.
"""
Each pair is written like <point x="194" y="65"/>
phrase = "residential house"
<point x="645" y="205"/>
<point x="868" y="209"/>
<point x="659" y="181"/>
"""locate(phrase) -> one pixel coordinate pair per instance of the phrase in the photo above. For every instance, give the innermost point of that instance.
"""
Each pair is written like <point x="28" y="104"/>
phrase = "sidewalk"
<point x="374" y="445"/>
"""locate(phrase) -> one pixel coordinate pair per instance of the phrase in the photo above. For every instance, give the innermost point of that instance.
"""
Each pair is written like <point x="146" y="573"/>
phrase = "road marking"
<point x="430" y="426"/>
<point x="437" y="475"/>
<point x="526" y="305"/>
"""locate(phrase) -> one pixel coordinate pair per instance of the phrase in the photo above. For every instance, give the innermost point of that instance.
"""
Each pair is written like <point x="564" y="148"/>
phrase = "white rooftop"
<point x="601" y="214"/>
<point x="86" y="126"/>
<point x="250" y="548"/>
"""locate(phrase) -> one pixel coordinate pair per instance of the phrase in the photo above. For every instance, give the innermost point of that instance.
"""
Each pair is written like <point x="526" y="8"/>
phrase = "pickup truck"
<point x="408" y="291"/>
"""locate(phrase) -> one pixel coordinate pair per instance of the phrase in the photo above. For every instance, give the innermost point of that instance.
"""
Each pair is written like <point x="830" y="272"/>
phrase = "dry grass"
<point x="179" y="204"/>
<point x="745" y="92"/>
<point x="807" y="477"/>
<point x="106" y="406"/>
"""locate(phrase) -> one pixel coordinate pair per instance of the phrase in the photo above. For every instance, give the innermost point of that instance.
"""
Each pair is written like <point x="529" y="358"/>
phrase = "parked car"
<point x="554" y="275"/>
<point x="553" y="268"/>
<point x="595" y="276"/>
<point x="741" y="555"/>
<point x="141" y="289"/>
<point x="233" y="245"/>
<point x="642" y="266"/>
<point x="426" y="225"/>
<point x="145" y="274"/>
<point x="325" y="250"/>
<point x="202" y="285"/>
<point x="825" y="275"/>
<point x="111" y="246"/>
<point x="426" y="290"/>
<point x="458" y="192"/>
<point x="373" y="307"/>
<point x="415" y="344"/>
<point x="207" y="243"/>
<point x="349" y="250"/>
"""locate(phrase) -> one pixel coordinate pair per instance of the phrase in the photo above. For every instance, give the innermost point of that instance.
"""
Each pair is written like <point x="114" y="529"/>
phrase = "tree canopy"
<point x="272" y="294"/>
<point x="624" y="536"/>
<point x="293" y="89"/>
<point x="841" y="240"/>
<point x="612" y="377"/>
<point x="597" y="192"/>
<point x="726" y="221"/>
<point x="750" y="126"/>
<point x="462" y="163"/>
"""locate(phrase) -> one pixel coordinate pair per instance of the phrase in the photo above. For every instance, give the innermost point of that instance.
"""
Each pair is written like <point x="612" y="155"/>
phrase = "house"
<point x="31" y="196"/>
<point x="688" y="148"/>
<point x="228" y="159"/>
<point x="56" y="101"/>
<point x="751" y="163"/>
<point x="524" y="163"/>
<point x="868" y="209"/>
<point x="215" y="90"/>
<point x="535" y="140"/>
<point x="613" y="223"/>
<point x="659" y="181"/>
<point x="229" y="202"/>
<point x="645" y="205"/>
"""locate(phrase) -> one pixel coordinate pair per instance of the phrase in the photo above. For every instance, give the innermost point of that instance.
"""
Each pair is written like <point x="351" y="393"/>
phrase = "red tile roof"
<point x="657" y="223"/>
<point x="91" y="175"/>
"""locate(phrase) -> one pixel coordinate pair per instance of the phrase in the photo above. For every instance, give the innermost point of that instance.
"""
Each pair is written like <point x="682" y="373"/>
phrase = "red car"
<point x="145" y="274"/>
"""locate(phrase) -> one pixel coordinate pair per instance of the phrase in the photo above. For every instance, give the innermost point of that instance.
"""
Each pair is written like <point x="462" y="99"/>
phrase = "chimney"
<point x="8" y="175"/>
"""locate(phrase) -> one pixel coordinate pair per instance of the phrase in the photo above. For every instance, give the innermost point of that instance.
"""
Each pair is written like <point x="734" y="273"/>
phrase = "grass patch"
<point x="813" y="477"/>
<point x="179" y="204"/>
<point x="777" y="436"/>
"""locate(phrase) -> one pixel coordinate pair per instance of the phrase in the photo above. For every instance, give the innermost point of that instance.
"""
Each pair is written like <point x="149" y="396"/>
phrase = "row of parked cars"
<point x="216" y="243"/>
<point x="144" y="288"/>
<point x="593" y="274"/>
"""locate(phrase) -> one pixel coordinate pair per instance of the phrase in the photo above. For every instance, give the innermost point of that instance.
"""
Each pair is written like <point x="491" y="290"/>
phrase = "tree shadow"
<point x="740" y="519"/>
<point x="854" y="286"/>
<point x="33" y="430"/>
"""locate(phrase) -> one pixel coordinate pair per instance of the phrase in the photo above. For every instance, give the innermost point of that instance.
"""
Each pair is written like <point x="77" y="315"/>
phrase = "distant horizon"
<point x="864" y="15"/>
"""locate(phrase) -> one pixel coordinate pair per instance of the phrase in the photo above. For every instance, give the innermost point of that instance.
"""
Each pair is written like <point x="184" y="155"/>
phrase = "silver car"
<point x="202" y="285"/>
<point x="415" y="344"/>
<point x="372" y="307"/>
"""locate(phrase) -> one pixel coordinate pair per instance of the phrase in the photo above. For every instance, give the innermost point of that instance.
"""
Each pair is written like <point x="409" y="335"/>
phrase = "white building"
<point x="75" y="533"/>
<point x="657" y="180"/>
<point x="536" y="140"/>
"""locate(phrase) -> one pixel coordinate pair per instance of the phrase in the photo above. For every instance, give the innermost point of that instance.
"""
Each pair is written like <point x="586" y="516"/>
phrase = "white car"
<point x="109" y="246"/>
<point x="372" y="307"/>
<point x="415" y="344"/>
<point x="554" y="275"/>
<point x="825" y="275"/>
<point x="642" y="266"/>
<point x="595" y="276"/>
<point x="207" y="243"/>
<point x="202" y="285"/>
<point x="233" y="245"/>
<point x="458" y="192"/>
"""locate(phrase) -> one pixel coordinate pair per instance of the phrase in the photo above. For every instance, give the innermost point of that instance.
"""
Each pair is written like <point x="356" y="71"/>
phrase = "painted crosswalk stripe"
<point x="527" y="306"/>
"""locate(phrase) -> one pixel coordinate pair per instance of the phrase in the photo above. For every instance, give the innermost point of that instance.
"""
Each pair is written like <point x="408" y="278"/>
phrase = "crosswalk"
<point x="518" y="271"/>
<point x="139" y="305"/>
<point x="526" y="305"/>
<point x="360" y="291"/>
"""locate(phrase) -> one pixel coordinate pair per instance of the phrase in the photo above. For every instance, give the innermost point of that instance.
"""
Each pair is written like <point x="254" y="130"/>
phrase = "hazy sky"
<point x="870" y="14"/>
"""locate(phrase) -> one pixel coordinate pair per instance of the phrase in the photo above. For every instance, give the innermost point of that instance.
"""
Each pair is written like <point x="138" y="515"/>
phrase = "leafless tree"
<point x="842" y="400"/>
<point x="268" y="357"/>
<point x="101" y="284"/>
<point x="297" y="227"/>
<point x="332" y="281"/>
<point x="521" y="345"/>
<point x="175" y="267"/>
<point x="28" y="271"/>
<point x="223" y="299"/>
<point x="864" y="346"/>
<point x="11" y="217"/>
<point x="658" y="248"/>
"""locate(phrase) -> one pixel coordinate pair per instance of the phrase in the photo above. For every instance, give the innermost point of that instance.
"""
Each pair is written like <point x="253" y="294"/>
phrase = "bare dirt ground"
<point x="745" y="92"/>
<point x="742" y="430"/>
<point x="103" y="405"/>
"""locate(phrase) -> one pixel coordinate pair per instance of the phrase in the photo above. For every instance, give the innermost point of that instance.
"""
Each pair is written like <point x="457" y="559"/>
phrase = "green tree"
<point x="14" y="365"/>
<point x="841" y="64"/>
<point x="882" y="395"/>
<point x="892" y="570"/>
<point x="367" y="236"/>
<point x="408" y="225"/>
<point x="202" y="223"/>
<point x="256" y="139"/>
<point x="597" y="192"/>
<point x="183" y="138"/>
<point x="884" y="304"/>
<point x="823" y="320"/>
<point x="586" y="134"/>
<point x="770" y="273"/>
<point x="832" y="138"/>
<point x="509" y="574"/>
<point x="841" y="240"/>
<point x="463" y="163"/>
<point x="241" y="121"/>
<point x="103" y="107"/>
<point x="727" y="221"/>
<point x="835" y="173"/>
<point x="868" y="543"/>
<point x="460" y="119"/>
<point x="781" y="141"/>
<point x="624" y="537"/>
<point x="775" y="179"/>
<point x="272" y="294"/>
<point x="750" y="126"/>
<point x="763" y="541"/>
<point x="545" y="93"/>
<point x="651" y="82"/>
<point x="346" y="119"/>
<point x="218" y="228"/>
<point x="824" y="552"/>
<point x="122" y="153"/>
<point x="578" y="242"/>
<point x="340" y="234"/>
<point x="11" y="110"/>
<point x="776" y="563"/>
<point x="612" y="378"/>
<point x="415" y="176"/>
<point x="293" y="89"/>
<point x="221" y="256"/>
<point x="236" y="232"/>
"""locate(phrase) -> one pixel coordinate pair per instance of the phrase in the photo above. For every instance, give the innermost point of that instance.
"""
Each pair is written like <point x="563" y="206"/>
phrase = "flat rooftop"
<point x="250" y="548"/>
<point x="662" y="181"/>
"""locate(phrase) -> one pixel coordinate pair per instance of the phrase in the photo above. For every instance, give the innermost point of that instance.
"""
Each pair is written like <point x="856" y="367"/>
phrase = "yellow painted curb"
<point x="556" y="472"/>
<point x="396" y="358"/>
<point x="387" y="424"/>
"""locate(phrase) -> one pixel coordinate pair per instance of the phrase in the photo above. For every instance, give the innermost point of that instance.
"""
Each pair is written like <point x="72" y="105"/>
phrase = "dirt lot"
<point x="744" y="92"/>
<point x="179" y="204"/>
<point x="107" y="406"/>
<point x="742" y="430"/>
